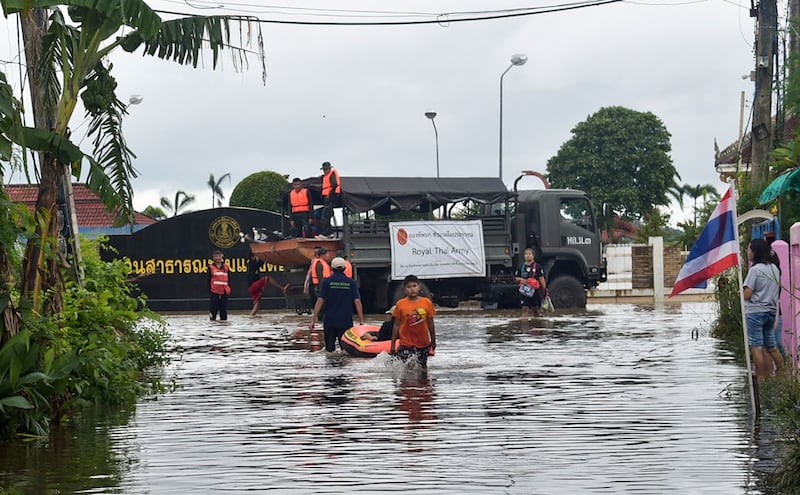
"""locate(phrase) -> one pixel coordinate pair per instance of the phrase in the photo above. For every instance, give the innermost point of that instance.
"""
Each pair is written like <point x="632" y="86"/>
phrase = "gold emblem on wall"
<point x="224" y="232"/>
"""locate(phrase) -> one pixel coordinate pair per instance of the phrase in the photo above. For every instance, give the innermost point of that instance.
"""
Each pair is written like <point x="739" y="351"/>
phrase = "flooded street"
<point x="616" y="399"/>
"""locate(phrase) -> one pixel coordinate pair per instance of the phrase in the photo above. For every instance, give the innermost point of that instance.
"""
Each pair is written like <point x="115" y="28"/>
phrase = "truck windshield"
<point x="578" y="212"/>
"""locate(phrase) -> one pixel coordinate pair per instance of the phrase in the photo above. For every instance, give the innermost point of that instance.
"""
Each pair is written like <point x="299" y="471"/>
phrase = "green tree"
<point x="216" y="189"/>
<point x="73" y="63"/>
<point x="621" y="158"/>
<point x="260" y="190"/>
<point x="182" y="200"/>
<point x="155" y="212"/>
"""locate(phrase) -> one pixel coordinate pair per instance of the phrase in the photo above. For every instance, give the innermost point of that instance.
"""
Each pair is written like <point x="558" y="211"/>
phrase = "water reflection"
<point x="616" y="399"/>
<point x="416" y="395"/>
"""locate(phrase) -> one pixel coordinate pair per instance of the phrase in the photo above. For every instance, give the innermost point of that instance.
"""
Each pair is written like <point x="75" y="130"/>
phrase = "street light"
<point x="432" y="116"/>
<point x="517" y="59"/>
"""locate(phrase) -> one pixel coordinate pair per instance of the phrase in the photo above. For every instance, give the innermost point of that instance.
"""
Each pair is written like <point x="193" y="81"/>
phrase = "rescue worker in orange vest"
<point x="300" y="204"/>
<point x="331" y="189"/>
<point x="319" y="270"/>
<point x="219" y="286"/>
<point x="348" y="267"/>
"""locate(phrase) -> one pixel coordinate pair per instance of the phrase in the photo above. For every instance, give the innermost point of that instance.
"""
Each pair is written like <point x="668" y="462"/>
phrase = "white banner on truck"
<point x="437" y="249"/>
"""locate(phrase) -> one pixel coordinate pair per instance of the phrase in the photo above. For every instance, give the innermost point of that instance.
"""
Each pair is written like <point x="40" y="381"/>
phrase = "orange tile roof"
<point x="91" y="211"/>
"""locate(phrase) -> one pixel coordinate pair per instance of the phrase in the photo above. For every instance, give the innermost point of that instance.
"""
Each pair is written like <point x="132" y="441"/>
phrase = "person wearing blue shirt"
<point x="338" y="294"/>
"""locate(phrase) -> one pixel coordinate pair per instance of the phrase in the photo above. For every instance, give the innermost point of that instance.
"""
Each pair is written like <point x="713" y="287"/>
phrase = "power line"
<point x="437" y="18"/>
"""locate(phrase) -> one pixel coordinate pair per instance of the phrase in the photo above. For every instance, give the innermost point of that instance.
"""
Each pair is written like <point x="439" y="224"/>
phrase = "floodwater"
<point x="614" y="399"/>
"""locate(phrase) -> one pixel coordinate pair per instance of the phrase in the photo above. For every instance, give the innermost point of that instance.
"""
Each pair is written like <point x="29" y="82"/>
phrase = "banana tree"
<point x="15" y="220"/>
<point x="73" y="65"/>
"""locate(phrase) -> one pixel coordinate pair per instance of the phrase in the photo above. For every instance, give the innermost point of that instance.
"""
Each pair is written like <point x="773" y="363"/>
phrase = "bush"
<point x="96" y="351"/>
<point x="260" y="190"/>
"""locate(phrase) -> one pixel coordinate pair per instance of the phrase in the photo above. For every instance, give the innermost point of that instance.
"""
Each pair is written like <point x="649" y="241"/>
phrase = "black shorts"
<point x="531" y="302"/>
<point x="420" y="354"/>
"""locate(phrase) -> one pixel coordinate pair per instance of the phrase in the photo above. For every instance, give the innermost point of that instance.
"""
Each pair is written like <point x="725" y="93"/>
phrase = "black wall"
<point x="170" y="258"/>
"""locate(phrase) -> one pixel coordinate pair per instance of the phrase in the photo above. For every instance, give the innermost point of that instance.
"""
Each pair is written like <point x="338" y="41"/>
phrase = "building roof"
<point x="726" y="160"/>
<point x="91" y="212"/>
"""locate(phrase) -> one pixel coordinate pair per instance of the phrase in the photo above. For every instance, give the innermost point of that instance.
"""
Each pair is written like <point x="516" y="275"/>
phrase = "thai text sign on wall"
<point x="437" y="249"/>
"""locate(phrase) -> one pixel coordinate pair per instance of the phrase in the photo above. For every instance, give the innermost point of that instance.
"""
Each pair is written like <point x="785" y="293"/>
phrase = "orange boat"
<point x="292" y="253"/>
<point x="356" y="346"/>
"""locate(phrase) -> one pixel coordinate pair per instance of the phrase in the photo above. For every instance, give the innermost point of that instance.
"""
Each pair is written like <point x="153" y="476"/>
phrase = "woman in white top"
<point x="761" y="292"/>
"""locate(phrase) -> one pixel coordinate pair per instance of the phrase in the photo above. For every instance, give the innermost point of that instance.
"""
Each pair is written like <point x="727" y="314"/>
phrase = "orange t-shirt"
<point x="413" y="320"/>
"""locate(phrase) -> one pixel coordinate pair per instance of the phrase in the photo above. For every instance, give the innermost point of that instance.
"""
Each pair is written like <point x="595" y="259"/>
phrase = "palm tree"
<point x="73" y="63"/>
<point x="216" y="188"/>
<point x="182" y="200"/>
<point x="699" y="191"/>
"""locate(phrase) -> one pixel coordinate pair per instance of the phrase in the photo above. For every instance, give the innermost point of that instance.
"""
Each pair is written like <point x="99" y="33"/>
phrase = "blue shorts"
<point x="760" y="329"/>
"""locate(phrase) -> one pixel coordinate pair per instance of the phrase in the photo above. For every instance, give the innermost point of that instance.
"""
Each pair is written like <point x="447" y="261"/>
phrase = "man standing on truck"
<point x="300" y="203"/>
<point x="331" y="189"/>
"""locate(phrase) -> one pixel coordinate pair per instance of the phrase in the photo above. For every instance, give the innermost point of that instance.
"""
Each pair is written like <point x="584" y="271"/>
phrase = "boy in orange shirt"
<point x="413" y="324"/>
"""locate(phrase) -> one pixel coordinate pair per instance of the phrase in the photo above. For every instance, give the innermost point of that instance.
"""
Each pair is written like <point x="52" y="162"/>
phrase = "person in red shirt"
<point x="413" y="325"/>
<point x="257" y="281"/>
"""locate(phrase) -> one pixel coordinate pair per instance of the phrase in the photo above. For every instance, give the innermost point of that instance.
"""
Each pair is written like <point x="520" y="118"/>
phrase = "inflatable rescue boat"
<point x="354" y="343"/>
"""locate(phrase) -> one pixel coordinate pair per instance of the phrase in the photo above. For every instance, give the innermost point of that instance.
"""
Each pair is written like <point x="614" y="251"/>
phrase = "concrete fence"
<point x="644" y="273"/>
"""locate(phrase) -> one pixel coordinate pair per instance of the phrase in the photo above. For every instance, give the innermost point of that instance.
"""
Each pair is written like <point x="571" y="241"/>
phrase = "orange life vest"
<point x="219" y="278"/>
<point x="326" y="270"/>
<point x="299" y="201"/>
<point x="348" y="269"/>
<point x="326" y="183"/>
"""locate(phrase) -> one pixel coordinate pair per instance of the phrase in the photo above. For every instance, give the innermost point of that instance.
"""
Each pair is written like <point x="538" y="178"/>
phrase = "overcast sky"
<point x="356" y="96"/>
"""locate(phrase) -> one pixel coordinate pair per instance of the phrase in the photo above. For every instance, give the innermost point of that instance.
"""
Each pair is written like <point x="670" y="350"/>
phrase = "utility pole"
<point x="766" y="13"/>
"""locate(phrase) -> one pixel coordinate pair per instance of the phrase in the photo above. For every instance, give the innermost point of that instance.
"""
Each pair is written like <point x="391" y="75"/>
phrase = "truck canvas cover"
<point x="360" y="194"/>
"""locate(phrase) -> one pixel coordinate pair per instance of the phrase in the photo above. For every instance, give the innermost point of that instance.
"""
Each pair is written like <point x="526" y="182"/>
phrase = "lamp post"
<point x="432" y="116"/>
<point x="517" y="59"/>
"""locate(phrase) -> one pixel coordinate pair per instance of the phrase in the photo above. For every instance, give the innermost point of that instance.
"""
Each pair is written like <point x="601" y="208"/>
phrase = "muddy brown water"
<point x="614" y="399"/>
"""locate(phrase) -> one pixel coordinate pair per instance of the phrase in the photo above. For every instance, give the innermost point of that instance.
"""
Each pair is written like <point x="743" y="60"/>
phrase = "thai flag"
<point x="715" y="251"/>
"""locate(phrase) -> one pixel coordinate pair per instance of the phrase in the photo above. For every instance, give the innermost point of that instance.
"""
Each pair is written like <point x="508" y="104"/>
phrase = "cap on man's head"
<point x="297" y="180"/>
<point x="320" y="250"/>
<point x="391" y="310"/>
<point x="326" y="165"/>
<point x="409" y="279"/>
<point x="338" y="263"/>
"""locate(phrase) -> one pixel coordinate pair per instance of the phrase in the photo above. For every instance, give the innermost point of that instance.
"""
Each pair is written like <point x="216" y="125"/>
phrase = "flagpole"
<point x="750" y="376"/>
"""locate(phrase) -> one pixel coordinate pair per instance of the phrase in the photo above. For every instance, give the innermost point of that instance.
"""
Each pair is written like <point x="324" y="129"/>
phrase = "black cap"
<point x="326" y="164"/>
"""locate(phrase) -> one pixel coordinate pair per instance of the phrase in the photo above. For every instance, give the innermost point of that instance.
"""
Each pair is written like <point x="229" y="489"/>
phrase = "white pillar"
<point x="658" y="268"/>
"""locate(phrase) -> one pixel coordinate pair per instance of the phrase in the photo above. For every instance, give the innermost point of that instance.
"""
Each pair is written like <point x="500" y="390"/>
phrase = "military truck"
<point x="463" y="237"/>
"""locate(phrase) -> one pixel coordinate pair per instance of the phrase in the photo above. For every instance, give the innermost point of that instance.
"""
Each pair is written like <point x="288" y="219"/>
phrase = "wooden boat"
<point x="292" y="253"/>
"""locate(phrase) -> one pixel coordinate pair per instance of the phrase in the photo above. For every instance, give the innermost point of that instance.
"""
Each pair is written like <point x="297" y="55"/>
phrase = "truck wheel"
<point x="567" y="292"/>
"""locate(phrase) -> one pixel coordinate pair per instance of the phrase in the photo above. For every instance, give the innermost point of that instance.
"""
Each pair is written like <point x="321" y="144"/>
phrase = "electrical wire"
<point x="437" y="18"/>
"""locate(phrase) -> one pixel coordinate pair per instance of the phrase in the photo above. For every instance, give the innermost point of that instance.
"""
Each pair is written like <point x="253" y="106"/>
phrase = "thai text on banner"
<point x="437" y="249"/>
